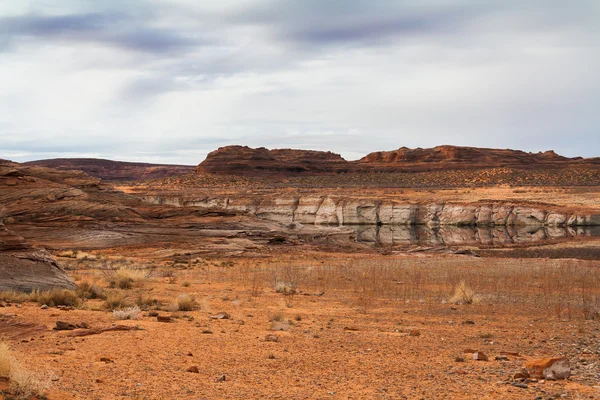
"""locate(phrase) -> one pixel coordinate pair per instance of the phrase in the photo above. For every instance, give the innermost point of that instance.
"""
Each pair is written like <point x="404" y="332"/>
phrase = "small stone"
<point x="469" y="322"/>
<point x="414" y="332"/>
<point x="63" y="326"/>
<point x="106" y="360"/>
<point x="207" y="332"/>
<point x="82" y="325"/>
<point x="221" y="378"/>
<point x="480" y="356"/>
<point x="44" y="307"/>
<point x="501" y="358"/>
<point x="523" y="374"/>
<point x="163" y="318"/>
<point x="351" y="328"/>
<point x="193" y="370"/>
<point x="519" y="385"/>
<point x="272" y="338"/>
<point x="153" y="313"/>
<point x="221" y="315"/>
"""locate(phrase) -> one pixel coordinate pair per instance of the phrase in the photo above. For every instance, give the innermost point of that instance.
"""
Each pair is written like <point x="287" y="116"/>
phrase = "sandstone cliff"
<point x="332" y="210"/>
<point x="241" y="160"/>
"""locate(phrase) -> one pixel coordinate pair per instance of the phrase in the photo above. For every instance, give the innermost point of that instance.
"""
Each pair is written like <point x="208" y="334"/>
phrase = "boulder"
<point x="25" y="268"/>
<point x="549" y="368"/>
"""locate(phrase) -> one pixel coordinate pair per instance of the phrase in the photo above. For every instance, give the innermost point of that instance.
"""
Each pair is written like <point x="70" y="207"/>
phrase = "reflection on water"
<point x="388" y="235"/>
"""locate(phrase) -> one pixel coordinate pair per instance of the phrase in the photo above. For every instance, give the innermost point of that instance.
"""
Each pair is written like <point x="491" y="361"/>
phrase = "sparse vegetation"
<point x="22" y="383"/>
<point x="127" y="313"/>
<point x="115" y="300"/>
<point x="57" y="297"/>
<point x="186" y="302"/>
<point x="463" y="294"/>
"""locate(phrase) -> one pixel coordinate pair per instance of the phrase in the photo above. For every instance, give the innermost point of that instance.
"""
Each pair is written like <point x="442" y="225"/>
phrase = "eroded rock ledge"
<point x="330" y="210"/>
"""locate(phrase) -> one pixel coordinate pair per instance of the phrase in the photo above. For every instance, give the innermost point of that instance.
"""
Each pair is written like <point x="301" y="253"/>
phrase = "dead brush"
<point x="23" y="384"/>
<point x="57" y="297"/>
<point x="463" y="294"/>
<point x="125" y="278"/>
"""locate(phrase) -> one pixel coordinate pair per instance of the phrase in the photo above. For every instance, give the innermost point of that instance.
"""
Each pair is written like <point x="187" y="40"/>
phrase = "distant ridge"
<point x="243" y="160"/>
<point x="114" y="170"/>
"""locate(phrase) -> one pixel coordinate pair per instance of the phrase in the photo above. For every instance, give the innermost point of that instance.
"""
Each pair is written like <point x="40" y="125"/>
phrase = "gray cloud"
<point x="171" y="80"/>
<point x="117" y="29"/>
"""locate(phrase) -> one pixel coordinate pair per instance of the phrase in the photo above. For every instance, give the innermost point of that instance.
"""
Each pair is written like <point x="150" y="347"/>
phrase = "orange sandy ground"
<point x="317" y="357"/>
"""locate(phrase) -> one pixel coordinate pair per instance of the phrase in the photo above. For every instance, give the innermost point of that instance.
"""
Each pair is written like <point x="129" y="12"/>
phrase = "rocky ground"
<point x="329" y="340"/>
<point x="313" y="312"/>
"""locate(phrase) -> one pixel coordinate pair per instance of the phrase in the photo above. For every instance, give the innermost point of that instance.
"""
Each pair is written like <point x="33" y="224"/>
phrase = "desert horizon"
<point x="299" y="199"/>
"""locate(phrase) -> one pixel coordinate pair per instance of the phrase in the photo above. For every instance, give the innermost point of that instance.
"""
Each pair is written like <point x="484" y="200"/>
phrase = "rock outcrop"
<point x="243" y="160"/>
<point x="25" y="268"/>
<point x="331" y="210"/>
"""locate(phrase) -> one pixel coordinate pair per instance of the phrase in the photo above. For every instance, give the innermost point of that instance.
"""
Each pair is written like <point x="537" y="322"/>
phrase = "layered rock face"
<point x="109" y="170"/>
<point x="25" y="268"/>
<point x="243" y="160"/>
<point x="329" y="210"/>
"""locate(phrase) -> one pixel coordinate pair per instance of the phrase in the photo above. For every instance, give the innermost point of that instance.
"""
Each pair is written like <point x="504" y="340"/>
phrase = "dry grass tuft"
<point x="125" y="278"/>
<point x="115" y="300"/>
<point x="186" y="302"/>
<point x="23" y="384"/>
<point x="5" y="360"/>
<point x="57" y="297"/>
<point x="463" y="294"/>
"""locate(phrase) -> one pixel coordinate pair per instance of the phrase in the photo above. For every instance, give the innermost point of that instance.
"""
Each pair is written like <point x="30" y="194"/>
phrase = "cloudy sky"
<point x="169" y="81"/>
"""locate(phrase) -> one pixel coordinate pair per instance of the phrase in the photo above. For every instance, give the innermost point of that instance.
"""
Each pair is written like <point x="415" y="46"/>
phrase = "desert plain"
<point x="294" y="275"/>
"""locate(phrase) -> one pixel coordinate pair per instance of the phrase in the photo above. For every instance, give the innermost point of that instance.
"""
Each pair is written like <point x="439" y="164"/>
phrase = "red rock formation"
<point x="114" y="170"/>
<point x="243" y="160"/>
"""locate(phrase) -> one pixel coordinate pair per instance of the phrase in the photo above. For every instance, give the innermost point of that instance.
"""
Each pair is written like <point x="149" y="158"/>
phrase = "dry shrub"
<point x="115" y="300"/>
<point x="286" y="288"/>
<point x="186" y="302"/>
<point x="12" y="296"/>
<point x="57" y="297"/>
<point x="23" y="384"/>
<point x="87" y="290"/>
<point x="128" y="313"/>
<point x="125" y="278"/>
<point x="463" y="294"/>
<point x="5" y="360"/>
<point x="146" y="301"/>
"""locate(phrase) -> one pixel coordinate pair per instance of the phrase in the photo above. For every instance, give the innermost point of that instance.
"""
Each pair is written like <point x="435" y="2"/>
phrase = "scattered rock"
<point x="521" y="375"/>
<point x="153" y="313"/>
<point x="469" y="351"/>
<point x="272" y="338"/>
<point x="414" y="332"/>
<point x="480" y="356"/>
<point x="549" y="368"/>
<point x="207" y="332"/>
<point x="469" y="322"/>
<point x="106" y="360"/>
<point x="64" y="326"/>
<point x="351" y="328"/>
<point x="163" y="318"/>
<point x="501" y="358"/>
<point x="193" y="370"/>
<point x="82" y="325"/>
<point x="43" y="307"/>
<point x="519" y="385"/>
<point x="221" y="378"/>
<point x="221" y="315"/>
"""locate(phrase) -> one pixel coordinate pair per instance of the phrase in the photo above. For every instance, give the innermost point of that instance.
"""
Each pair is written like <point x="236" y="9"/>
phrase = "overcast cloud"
<point x="169" y="81"/>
